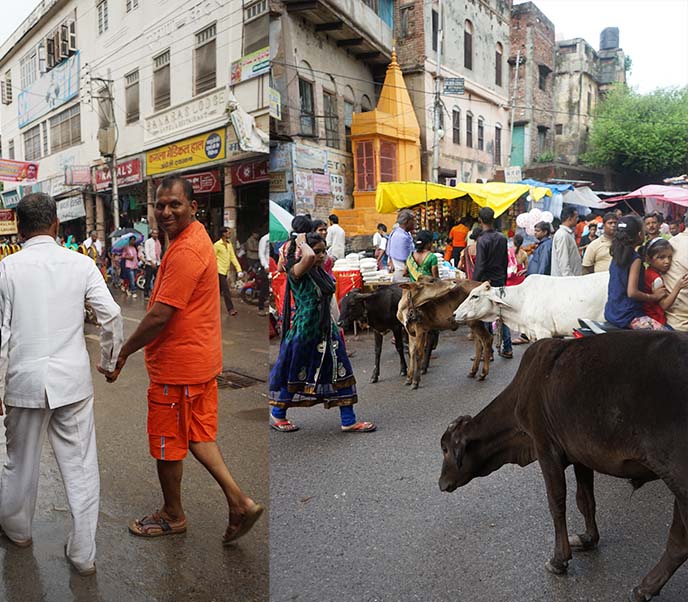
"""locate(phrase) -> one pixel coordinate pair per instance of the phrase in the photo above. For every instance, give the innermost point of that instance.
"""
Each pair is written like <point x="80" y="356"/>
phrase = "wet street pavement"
<point x="360" y="517"/>
<point x="193" y="567"/>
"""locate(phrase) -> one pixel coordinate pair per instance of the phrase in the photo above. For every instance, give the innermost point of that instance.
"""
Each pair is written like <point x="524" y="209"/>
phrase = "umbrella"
<point x="124" y="232"/>
<point x="280" y="223"/>
<point x="122" y="242"/>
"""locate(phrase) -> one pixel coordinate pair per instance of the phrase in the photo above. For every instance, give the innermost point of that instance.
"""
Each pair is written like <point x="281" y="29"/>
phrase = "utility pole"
<point x="438" y="90"/>
<point x="513" y="106"/>
<point x="113" y="159"/>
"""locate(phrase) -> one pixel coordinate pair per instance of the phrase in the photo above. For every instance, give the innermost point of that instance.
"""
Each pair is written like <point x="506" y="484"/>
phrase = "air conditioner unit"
<point x="106" y="141"/>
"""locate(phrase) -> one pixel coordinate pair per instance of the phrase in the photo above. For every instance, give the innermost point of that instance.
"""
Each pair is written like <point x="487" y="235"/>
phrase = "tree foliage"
<point x="641" y="134"/>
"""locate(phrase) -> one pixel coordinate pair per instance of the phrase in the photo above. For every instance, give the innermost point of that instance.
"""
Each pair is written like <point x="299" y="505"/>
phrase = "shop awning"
<point x="668" y="194"/>
<point x="392" y="196"/>
<point x="583" y="196"/>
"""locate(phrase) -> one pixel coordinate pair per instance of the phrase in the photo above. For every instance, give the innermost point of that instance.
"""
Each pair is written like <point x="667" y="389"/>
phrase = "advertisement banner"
<point x="71" y="208"/>
<point x="128" y="173"/>
<point x="275" y="100"/>
<point x="77" y="175"/>
<point x="8" y="222"/>
<point x="186" y="153"/>
<point x="49" y="91"/>
<point x="203" y="182"/>
<point x="17" y="171"/>
<point x="321" y="184"/>
<point x="249" y="173"/>
<point x="252" y="65"/>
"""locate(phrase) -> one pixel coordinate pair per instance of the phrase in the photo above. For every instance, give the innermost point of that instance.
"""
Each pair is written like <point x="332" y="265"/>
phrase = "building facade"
<point x="532" y="54"/>
<point x="328" y="58"/>
<point x="474" y="125"/>
<point x="182" y="90"/>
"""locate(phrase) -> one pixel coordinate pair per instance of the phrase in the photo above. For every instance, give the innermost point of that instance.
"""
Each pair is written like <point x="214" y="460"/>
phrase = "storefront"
<point x="251" y="183"/>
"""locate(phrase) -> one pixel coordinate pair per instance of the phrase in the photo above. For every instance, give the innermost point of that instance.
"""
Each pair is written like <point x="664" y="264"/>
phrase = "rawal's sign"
<point x="49" y="91"/>
<point x="186" y="153"/>
<point x="128" y="172"/>
<point x="17" y="171"/>
<point x="252" y="65"/>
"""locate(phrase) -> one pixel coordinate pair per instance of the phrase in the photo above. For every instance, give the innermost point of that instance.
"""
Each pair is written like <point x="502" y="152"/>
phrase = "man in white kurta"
<point x="566" y="259"/>
<point x="45" y="376"/>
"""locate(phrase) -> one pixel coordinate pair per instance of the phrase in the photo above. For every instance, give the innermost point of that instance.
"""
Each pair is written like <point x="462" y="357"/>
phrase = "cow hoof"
<point x="471" y="375"/>
<point x="482" y="377"/>
<point x="408" y="382"/>
<point x="414" y="386"/>
<point x="425" y="371"/>
<point x="582" y="542"/>
<point x="636" y="596"/>
<point x="402" y="373"/>
<point x="556" y="569"/>
<point x="374" y="379"/>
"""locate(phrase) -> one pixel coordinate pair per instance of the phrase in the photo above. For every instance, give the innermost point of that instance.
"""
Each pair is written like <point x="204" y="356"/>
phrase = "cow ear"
<point x="486" y="285"/>
<point x="363" y="296"/>
<point x="405" y="285"/>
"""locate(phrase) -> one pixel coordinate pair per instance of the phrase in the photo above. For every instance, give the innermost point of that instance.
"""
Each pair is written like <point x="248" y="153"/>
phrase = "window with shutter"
<point x="161" y="81"/>
<point x="205" y="59"/>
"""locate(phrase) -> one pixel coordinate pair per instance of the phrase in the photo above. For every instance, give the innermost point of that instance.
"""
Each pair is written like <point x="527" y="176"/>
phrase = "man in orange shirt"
<point x="181" y="334"/>
<point x="458" y="235"/>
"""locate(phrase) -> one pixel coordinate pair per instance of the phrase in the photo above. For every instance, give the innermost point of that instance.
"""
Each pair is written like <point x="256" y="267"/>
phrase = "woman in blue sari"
<point x="312" y="366"/>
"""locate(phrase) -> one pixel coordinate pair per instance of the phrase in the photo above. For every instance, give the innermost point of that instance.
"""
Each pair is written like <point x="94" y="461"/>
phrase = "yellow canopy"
<point x="392" y="196"/>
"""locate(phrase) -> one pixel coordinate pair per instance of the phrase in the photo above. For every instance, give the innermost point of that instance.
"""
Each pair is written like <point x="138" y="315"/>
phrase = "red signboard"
<point x="128" y="172"/>
<point x="17" y="171"/>
<point x="248" y="173"/>
<point x="202" y="182"/>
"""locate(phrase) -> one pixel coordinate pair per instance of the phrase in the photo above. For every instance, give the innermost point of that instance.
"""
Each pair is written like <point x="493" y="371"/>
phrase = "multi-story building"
<point x="327" y="58"/>
<point x="532" y="49"/>
<point x="581" y="77"/>
<point x="474" y="125"/>
<point x="181" y="87"/>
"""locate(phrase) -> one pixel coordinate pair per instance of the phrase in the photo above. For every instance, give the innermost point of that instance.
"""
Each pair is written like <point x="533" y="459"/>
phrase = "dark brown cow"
<point x="632" y="424"/>
<point x="429" y="305"/>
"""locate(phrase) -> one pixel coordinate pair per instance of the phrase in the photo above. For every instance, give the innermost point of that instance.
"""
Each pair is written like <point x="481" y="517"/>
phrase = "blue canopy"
<point x="560" y="188"/>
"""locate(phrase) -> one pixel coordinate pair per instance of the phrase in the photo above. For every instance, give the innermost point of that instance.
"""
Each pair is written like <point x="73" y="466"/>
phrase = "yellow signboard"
<point x="187" y="153"/>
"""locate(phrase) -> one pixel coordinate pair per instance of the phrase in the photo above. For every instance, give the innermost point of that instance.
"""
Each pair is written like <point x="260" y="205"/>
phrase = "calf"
<point x="429" y="305"/>
<point x="379" y="311"/>
<point x="541" y="306"/>
<point x="625" y="426"/>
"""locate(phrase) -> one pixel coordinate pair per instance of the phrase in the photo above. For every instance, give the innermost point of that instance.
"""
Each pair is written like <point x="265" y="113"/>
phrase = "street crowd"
<point x="45" y="377"/>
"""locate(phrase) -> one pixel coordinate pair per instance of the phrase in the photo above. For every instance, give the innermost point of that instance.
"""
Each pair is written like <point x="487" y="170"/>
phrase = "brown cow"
<point x="632" y="424"/>
<point x="429" y="305"/>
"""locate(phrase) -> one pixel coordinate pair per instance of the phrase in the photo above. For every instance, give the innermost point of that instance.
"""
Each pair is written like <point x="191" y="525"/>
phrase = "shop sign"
<point x="51" y="90"/>
<point x="8" y="222"/>
<point x="207" y="109"/>
<point x="71" y="208"/>
<point x="275" y="100"/>
<point x="10" y="199"/>
<point x="278" y="181"/>
<point x="128" y="173"/>
<point x="310" y="157"/>
<point x="303" y="188"/>
<point x="17" y="171"/>
<point x="338" y="191"/>
<point x="340" y="168"/>
<point x="321" y="184"/>
<point x="203" y="182"/>
<point x="77" y="175"/>
<point x="186" y="153"/>
<point x="252" y="65"/>
<point x="512" y="175"/>
<point x="248" y="173"/>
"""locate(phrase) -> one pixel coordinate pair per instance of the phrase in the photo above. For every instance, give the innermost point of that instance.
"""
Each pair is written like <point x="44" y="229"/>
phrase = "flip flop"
<point x="155" y="525"/>
<point x="245" y="524"/>
<point x="283" y="426"/>
<point x="360" y="427"/>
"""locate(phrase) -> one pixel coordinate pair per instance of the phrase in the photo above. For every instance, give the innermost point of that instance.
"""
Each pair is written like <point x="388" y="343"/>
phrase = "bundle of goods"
<point x="528" y="220"/>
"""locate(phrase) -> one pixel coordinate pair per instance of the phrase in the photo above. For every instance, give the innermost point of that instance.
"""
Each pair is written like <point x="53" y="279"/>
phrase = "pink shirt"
<point x="131" y="257"/>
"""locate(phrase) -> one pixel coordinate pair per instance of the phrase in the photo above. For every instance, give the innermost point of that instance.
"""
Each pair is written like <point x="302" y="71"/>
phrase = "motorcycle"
<point x="250" y="290"/>
<point x="591" y="328"/>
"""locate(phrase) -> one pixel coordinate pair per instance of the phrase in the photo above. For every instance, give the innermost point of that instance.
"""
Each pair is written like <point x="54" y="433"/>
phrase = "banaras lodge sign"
<point x="187" y="153"/>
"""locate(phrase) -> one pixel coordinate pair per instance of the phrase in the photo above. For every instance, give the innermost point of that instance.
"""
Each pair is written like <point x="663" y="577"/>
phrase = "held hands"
<point x="683" y="282"/>
<point x="111" y="377"/>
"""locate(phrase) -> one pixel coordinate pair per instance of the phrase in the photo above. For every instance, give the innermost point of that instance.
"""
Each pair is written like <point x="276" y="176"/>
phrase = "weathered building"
<point x="327" y="56"/>
<point x="581" y="77"/>
<point x="474" y="125"/>
<point x="532" y="46"/>
<point x="180" y="88"/>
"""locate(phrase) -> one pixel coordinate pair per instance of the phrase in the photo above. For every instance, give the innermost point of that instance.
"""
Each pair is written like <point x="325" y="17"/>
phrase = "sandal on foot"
<point x="360" y="427"/>
<point x="234" y="312"/>
<point x="283" y="426"/>
<point x="238" y="529"/>
<point x="20" y="543"/>
<point x="155" y="525"/>
<point x="506" y="354"/>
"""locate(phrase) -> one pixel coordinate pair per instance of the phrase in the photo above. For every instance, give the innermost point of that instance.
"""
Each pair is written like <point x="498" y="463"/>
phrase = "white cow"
<point x="541" y="306"/>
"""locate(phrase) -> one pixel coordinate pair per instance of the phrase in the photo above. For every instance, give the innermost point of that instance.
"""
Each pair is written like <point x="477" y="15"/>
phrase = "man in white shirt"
<point x="45" y="376"/>
<point x="566" y="259"/>
<point x="93" y="240"/>
<point x="152" y="252"/>
<point x="677" y="313"/>
<point x="336" y="239"/>
<point x="263" y="275"/>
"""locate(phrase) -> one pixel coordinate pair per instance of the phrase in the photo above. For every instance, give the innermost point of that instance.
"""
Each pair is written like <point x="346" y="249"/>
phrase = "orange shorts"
<point x="178" y="414"/>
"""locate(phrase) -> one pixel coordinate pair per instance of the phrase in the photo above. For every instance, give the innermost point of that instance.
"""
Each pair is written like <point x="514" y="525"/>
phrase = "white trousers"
<point x="72" y="435"/>
<point x="398" y="274"/>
